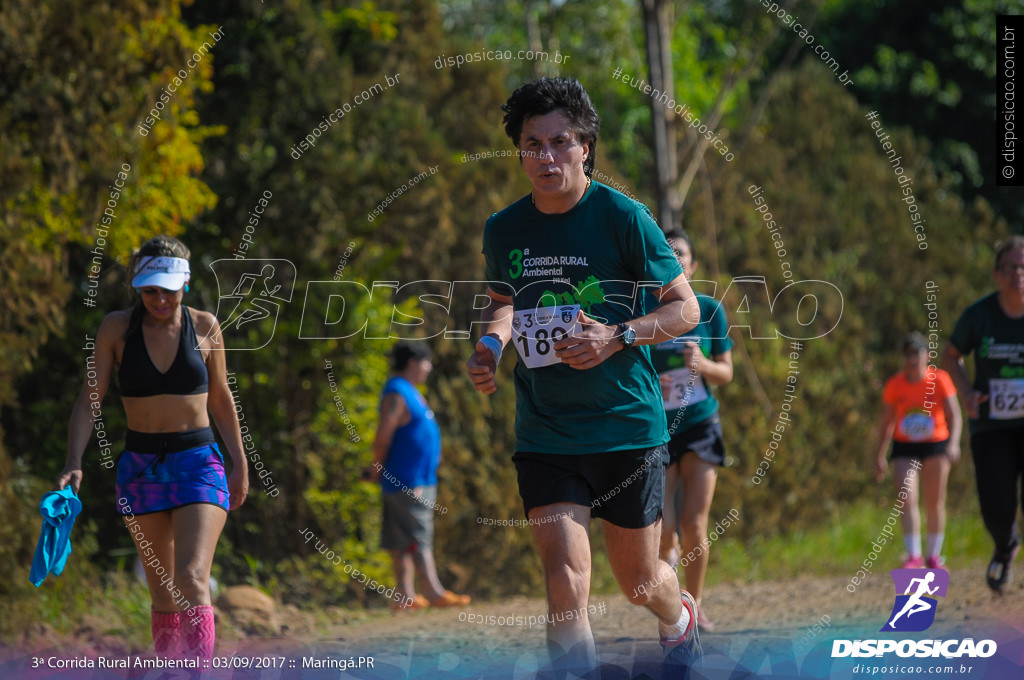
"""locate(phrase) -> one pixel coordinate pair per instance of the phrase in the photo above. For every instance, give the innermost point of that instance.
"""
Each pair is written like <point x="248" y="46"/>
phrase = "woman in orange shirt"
<point x="922" y="418"/>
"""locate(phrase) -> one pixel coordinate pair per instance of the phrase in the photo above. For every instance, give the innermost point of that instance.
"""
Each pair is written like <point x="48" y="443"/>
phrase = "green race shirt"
<point x="998" y="344"/>
<point x="598" y="255"/>
<point x="690" y="397"/>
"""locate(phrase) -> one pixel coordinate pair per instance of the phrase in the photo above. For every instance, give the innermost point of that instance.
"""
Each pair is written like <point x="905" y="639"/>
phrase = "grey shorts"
<point x="407" y="523"/>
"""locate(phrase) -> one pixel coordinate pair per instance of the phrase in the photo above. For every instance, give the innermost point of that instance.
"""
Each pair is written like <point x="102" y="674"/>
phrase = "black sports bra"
<point x="187" y="375"/>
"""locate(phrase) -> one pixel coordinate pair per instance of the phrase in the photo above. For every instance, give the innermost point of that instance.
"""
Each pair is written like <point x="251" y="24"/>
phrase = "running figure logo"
<point x="248" y="314"/>
<point x="914" y="610"/>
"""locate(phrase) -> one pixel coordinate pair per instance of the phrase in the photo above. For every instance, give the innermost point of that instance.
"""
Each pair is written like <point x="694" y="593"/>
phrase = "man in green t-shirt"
<point x="568" y="267"/>
<point x="993" y="329"/>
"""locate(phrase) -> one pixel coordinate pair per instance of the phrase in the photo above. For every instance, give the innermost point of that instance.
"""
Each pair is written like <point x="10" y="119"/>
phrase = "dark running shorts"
<point x="407" y="523"/>
<point x="704" y="439"/>
<point x="163" y="471"/>
<point x="919" y="450"/>
<point x="624" y="488"/>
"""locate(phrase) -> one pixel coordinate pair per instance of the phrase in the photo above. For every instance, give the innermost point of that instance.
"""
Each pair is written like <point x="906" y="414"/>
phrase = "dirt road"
<point x="763" y="630"/>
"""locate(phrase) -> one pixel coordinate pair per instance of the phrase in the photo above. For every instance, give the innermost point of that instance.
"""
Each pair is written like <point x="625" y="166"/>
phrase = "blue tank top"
<point x="187" y="375"/>
<point x="415" y="450"/>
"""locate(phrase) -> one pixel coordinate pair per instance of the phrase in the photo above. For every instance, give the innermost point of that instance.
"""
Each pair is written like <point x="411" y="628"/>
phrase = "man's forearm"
<point x="667" y="322"/>
<point x="497" y="320"/>
<point x="954" y="365"/>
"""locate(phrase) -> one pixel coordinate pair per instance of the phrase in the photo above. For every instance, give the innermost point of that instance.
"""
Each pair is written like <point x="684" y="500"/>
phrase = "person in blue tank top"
<point x="568" y="268"/>
<point x="406" y="454"/>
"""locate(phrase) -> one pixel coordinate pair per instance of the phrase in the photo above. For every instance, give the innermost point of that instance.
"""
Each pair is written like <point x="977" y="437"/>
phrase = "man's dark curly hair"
<point x="546" y="95"/>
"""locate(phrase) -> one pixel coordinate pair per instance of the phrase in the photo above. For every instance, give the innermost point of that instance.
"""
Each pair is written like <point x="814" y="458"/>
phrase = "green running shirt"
<point x="596" y="256"/>
<point x="691" y="397"/>
<point x="998" y="345"/>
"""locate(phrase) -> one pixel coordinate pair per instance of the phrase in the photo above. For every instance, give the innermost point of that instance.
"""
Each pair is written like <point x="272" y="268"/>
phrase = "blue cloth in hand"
<point x="59" y="510"/>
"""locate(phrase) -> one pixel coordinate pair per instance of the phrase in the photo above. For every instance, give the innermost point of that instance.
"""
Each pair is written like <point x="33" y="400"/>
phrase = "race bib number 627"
<point x="1006" y="398"/>
<point x="535" y="330"/>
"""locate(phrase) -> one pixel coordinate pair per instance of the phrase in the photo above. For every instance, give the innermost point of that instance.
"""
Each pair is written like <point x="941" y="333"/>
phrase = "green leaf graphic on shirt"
<point x="586" y="294"/>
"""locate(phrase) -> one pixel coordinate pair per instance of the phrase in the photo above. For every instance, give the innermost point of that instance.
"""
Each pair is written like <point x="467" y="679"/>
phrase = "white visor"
<point x="169" y="273"/>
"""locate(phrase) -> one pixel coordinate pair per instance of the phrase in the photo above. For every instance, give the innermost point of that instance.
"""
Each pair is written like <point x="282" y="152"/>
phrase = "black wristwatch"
<point x="626" y="334"/>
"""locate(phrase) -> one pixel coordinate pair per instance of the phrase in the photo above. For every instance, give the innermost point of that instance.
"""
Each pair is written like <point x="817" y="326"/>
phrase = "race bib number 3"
<point x="685" y="388"/>
<point x="1006" y="399"/>
<point x="534" y="331"/>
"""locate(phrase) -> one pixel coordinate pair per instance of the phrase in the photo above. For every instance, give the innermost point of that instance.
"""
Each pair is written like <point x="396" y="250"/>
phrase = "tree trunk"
<point x="658" y="32"/>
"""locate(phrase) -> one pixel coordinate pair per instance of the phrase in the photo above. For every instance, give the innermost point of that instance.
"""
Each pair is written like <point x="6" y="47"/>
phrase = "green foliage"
<point x="75" y="82"/>
<point x="397" y="133"/>
<point x="842" y="218"/>
<point x="67" y="122"/>
<point x="68" y="128"/>
<point x="930" y="66"/>
<point x="838" y="547"/>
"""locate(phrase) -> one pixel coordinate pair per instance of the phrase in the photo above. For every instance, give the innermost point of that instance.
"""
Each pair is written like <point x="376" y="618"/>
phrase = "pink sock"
<point x="167" y="633"/>
<point x="197" y="624"/>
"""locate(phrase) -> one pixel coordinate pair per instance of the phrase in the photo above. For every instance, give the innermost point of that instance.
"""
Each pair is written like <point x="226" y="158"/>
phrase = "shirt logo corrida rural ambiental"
<point x="542" y="266"/>
<point x="585" y="293"/>
<point x="1008" y="351"/>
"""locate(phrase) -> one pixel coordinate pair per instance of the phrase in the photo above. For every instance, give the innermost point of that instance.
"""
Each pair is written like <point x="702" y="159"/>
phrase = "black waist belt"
<point x="162" y="443"/>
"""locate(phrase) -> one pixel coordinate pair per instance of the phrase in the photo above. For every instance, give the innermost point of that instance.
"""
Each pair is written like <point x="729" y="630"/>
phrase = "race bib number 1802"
<point x="534" y="331"/>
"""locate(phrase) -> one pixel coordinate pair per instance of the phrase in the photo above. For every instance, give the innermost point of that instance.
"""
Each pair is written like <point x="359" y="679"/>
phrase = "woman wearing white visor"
<point x="172" y="487"/>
